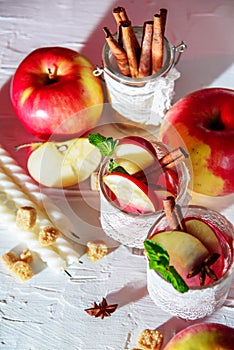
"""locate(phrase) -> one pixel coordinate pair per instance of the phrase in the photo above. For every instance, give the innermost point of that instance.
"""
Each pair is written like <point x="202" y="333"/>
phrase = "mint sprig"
<point x="159" y="260"/>
<point x="106" y="145"/>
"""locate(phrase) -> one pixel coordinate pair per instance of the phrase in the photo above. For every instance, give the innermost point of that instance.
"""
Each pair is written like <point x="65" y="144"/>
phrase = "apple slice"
<point x="132" y="194"/>
<point x="63" y="164"/>
<point x="168" y="179"/>
<point x="185" y="250"/>
<point x="128" y="165"/>
<point x="204" y="233"/>
<point x="137" y="150"/>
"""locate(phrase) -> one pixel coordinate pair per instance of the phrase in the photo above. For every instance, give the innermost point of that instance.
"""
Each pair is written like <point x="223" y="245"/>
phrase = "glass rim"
<point x="167" y="65"/>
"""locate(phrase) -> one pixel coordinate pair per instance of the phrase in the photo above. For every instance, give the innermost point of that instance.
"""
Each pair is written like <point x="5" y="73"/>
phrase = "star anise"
<point x="204" y="269"/>
<point x="102" y="310"/>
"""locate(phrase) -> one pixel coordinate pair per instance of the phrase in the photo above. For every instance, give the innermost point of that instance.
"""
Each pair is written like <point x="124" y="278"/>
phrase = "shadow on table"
<point x="128" y="294"/>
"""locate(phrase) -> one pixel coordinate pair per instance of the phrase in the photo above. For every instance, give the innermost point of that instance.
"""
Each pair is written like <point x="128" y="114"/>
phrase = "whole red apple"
<point x="203" y="336"/>
<point x="204" y="121"/>
<point x="54" y="92"/>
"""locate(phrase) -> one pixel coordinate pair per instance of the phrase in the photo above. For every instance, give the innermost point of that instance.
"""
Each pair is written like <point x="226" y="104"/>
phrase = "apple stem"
<point x="53" y="72"/>
<point x="33" y="144"/>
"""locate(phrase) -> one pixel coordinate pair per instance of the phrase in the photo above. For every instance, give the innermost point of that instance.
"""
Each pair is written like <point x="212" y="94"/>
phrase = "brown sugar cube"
<point x="150" y="340"/>
<point x="22" y="270"/>
<point x="9" y="259"/>
<point x="26" y="217"/>
<point x="26" y="256"/>
<point x="96" y="250"/>
<point x="48" y="235"/>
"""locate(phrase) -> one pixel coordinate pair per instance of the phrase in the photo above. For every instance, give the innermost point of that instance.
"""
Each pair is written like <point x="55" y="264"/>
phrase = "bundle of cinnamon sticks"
<point x="134" y="59"/>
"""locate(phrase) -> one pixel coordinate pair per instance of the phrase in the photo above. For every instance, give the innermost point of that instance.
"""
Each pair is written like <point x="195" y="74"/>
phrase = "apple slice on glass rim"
<point x="201" y="230"/>
<point x="132" y="195"/>
<point x="136" y="149"/>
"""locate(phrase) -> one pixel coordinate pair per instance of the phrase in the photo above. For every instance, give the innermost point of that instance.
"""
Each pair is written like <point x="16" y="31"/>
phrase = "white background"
<point x="47" y="312"/>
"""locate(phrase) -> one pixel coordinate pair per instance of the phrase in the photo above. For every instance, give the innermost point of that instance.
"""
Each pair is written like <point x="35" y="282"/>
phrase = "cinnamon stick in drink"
<point x="132" y="47"/>
<point x="146" y="48"/>
<point x="157" y="45"/>
<point x="173" y="214"/>
<point x="173" y="158"/>
<point x="118" y="52"/>
<point x="168" y="161"/>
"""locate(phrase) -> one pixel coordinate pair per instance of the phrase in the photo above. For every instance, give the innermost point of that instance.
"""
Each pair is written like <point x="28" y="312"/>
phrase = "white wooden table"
<point x="47" y="312"/>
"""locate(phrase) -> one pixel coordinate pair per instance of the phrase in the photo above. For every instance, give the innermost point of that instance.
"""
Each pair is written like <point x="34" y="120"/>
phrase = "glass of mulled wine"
<point x="201" y="251"/>
<point x="133" y="184"/>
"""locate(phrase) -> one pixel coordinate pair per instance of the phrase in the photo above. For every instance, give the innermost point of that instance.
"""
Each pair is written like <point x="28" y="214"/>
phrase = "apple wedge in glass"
<point x="134" y="178"/>
<point x="194" y="276"/>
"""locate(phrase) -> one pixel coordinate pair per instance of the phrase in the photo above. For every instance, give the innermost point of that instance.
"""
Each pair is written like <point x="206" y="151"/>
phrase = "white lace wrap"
<point x="192" y="305"/>
<point x="143" y="104"/>
<point x="125" y="228"/>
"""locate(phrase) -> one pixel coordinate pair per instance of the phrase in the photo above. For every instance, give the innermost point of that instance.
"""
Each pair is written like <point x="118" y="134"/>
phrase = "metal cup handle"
<point x="179" y="49"/>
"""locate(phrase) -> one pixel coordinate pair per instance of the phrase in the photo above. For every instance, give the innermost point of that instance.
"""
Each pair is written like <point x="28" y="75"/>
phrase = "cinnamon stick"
<point x="146" y="47"/>
<point x="132" y="47"/>
<point x="120" y="15"/>
<point x="173" y="214"/>
<point x="118" y="52"/>
<point x="157" y="45"/>
<point x="163" y="17"/>
<point x="173" y="158"/>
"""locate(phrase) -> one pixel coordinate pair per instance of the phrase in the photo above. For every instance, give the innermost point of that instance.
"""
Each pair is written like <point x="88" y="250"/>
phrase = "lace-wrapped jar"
<point x="199" y="301"/>
<point x="141" y="102"/>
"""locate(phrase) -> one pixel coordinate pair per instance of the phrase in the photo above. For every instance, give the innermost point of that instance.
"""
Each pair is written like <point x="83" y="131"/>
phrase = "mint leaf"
<point x="176" y="280"/>
<point x="115" y="167"/>
<point x="106" y="145"/>
<point x="157" y="254"/>
<point x="159" y="260"/>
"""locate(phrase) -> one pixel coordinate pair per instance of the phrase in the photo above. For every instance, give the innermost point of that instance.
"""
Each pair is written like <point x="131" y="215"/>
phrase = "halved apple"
<point x="137" y="150"/>
<point x="204" y="233"/>
<point x="63" y="164"/>
<point x="132" y="195"/>
<point x="185" y="250"/>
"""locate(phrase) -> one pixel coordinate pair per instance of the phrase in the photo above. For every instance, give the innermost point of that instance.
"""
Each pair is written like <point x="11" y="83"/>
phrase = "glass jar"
<point x="198" y="301"/>
<point x="141" y="101"/>
<point x="128" y="228"/>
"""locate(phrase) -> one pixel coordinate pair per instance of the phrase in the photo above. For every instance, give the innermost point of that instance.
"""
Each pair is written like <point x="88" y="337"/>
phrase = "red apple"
<point x="53" y="90"/>
<point x="204" y="122"/>
<point x="203" y="336"/>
